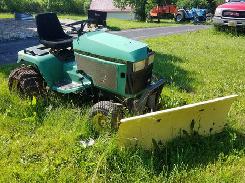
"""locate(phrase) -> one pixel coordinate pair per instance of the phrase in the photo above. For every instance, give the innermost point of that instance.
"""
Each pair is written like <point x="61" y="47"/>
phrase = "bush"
<point x="2" y="5"/>
<point x="36" y="6"/>
<point x="192" y="3"/>
<point x="209" y="4"/>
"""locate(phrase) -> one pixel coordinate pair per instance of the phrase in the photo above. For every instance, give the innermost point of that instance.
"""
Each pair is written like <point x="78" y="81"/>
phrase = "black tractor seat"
<point x="58" y="43"/>
<point x="51" y="33"/>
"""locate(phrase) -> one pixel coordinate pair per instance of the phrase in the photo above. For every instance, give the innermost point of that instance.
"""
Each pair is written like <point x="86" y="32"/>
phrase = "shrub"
<point x="36" y="6"/>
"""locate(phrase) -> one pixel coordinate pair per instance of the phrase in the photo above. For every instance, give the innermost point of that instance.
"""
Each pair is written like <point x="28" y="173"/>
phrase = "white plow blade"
<point x="204" y="118"/>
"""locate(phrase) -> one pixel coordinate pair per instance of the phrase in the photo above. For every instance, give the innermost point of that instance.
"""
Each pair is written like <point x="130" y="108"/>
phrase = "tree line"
<point x="141" y="7"/>
<point x="37" y="6"/>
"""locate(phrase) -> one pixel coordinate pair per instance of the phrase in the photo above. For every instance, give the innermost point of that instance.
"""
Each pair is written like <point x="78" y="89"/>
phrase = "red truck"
<point x="231" y="13"/>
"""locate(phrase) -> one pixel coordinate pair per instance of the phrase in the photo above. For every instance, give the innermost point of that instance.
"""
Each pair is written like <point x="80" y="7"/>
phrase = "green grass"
<point x="113" y="23"/>
<point x="41" y="142"/>
<point x="72" y="17"/>
<point x="6" y="15"/>
<point x="118" y="24"/>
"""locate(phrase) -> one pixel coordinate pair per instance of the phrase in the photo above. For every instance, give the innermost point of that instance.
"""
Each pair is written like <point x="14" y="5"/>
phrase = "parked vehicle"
<point x="98" y="17"/>
<point x="230" y="14"/>
<point x="162" y="11"/>
<point x="180" y="15"/>
<point x="194" y="14"/>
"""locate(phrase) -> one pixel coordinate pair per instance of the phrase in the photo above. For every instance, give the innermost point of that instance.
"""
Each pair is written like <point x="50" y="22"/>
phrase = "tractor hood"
<point x="111" y="46"/>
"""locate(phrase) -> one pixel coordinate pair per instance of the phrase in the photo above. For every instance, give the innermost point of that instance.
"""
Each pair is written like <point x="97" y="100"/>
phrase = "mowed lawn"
<point x="41" y="142"/>
<point x="113" y="23"/>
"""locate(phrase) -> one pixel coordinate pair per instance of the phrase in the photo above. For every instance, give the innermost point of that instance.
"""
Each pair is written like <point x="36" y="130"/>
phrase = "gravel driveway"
<point x="9" y="48"/>
<point x="11" y="29"/>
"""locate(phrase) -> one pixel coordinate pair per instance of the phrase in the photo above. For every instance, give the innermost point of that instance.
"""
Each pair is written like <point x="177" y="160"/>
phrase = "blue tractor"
<point x="195" y="14"/>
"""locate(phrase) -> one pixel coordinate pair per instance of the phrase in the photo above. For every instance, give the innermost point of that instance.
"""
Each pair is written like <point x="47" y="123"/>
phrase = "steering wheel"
<point x="79" y="31"/>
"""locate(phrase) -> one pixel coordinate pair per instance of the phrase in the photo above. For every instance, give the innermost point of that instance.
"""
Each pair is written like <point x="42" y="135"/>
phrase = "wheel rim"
<point x="179" y="18"/>
<point x="101" y="122"/>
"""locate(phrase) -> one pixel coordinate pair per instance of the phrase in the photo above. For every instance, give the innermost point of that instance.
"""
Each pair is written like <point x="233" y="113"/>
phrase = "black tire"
<point x="196" y="20"/>
<point x="199" y="19"/>
<point x="105" y="116"/>
<point x="202" y="19"/>
<point x="180" y="17"/>
<point x="158" y="98"/>
<point x="149" y="19"/>
<point x="158" y="20"/>
<point x="27" y="82"/>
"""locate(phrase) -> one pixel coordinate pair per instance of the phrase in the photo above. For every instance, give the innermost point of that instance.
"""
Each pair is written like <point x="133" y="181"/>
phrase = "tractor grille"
<point x="233" y="14"/>
<point x="103" y="74"/>
<point x="138" y="81"/>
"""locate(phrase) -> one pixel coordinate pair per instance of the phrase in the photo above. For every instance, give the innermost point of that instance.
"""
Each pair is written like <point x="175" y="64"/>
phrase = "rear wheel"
<point x="196" y="20"/>
<point x="27" y="82"/>
<point x="105" y="116"/>
<point x="180" y="17"/>
<point x="149" y="18"/>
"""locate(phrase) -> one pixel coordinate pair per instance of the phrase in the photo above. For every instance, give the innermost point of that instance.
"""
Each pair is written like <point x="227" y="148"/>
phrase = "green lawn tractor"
<point x="116" y="72"/>
<point x="94" y="63"/>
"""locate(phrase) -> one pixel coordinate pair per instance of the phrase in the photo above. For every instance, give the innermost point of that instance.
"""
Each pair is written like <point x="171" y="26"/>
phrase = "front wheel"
<point x="105" y="116"/>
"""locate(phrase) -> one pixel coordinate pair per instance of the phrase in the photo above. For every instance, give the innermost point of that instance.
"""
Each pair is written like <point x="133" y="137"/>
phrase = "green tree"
<point x="2" y="5"/>
<point x="36" y="6"/>
<point x="192" y="3"/>
<point x="212" y="4"/>
<point x="209" y="4"/>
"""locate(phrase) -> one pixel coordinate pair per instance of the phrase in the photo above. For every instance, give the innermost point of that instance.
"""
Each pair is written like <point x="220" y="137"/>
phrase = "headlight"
<point x="139" y="66"/>
<point x="218" y="12"/>
<point x="151" y="59"/>
<point x="144" y="63"/>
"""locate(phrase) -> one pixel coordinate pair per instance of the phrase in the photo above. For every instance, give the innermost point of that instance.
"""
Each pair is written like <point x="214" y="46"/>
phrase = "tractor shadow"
<point x="167" y="67"/>
<point x="193" y="151"/>
<point x="113" y="28"/>
<point x="196" y="150"/>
